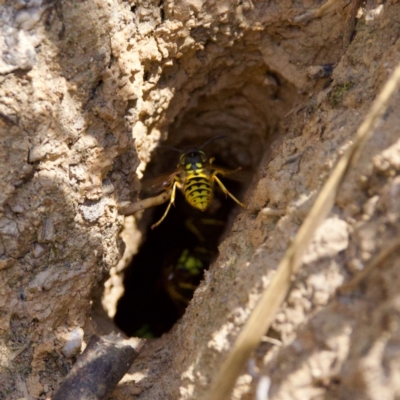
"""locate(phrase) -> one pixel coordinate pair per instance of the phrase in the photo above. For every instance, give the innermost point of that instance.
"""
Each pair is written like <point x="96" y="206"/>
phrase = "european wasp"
<point x="181" y="280"/>
<point x="194" y="176"/>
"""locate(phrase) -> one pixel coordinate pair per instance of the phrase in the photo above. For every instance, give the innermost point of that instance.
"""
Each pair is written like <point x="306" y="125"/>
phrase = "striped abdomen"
<point x="198" y="190"/>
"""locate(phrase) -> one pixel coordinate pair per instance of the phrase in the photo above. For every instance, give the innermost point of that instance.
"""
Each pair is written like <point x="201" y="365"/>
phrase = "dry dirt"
<point x="88" y="89"/>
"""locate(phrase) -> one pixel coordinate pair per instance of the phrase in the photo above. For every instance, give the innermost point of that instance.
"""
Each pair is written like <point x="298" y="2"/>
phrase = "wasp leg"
<point x="226" y="191"/>
<point x="222" y="171"/>
<point x="171" y="201"/>
<point x="193" y="228"/>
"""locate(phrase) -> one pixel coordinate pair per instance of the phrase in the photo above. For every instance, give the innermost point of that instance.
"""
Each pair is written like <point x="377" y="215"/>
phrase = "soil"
<point x="89" y="89"/>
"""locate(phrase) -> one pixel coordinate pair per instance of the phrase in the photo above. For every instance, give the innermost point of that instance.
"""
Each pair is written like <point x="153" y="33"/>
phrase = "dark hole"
<point x="170" y="264"/>
<point x="162" y="12"/>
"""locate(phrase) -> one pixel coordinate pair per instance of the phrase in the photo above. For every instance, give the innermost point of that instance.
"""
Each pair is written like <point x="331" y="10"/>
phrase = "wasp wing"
<point x="151" y="186"/>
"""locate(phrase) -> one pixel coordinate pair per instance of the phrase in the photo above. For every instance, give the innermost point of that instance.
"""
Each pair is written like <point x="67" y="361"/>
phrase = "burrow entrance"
<point x="172" y="259"/>
<point x="170" y="264"/>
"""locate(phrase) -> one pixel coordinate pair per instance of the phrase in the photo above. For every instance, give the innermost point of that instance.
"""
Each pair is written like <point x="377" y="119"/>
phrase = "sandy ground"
<point x="87" y="92"/>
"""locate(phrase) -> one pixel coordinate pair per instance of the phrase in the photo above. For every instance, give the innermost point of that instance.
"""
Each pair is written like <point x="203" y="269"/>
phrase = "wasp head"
<point x="193" y="159"/>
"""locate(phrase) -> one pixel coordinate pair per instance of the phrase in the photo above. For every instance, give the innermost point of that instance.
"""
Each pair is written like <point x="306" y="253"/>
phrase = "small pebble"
<point x="73" y="343"/>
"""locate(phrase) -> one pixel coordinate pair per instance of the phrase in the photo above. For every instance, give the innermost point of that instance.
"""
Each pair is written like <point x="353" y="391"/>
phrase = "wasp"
<point x="183" y="273"/>
<point x="194" y="175"/>
<point x="181" y="280"/>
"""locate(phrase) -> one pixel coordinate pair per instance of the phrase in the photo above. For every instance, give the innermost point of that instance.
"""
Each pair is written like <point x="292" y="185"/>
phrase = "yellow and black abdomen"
<point x="198" y="189"/>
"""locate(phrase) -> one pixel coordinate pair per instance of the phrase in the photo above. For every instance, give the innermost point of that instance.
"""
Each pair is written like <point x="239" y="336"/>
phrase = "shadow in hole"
<point x="157" y="285"/>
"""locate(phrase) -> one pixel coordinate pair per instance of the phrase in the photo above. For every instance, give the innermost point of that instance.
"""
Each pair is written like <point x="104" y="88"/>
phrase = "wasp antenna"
<point x="212" y="139"/>
<point x="164" y="146"/>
